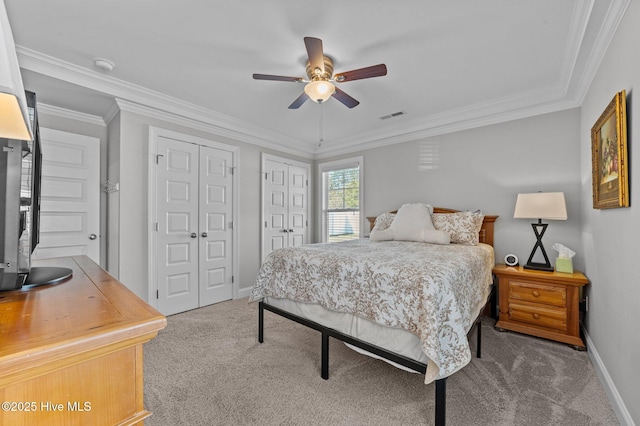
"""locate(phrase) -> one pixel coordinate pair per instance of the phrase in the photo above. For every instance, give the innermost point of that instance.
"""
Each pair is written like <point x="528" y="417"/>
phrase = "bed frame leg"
<point x="324" y="368"/>
<point x="260" y="322"/>
<point x="441" y="403"/>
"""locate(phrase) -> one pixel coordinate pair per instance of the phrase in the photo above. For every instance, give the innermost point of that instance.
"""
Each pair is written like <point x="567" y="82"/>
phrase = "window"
<point x="341" y="200"/>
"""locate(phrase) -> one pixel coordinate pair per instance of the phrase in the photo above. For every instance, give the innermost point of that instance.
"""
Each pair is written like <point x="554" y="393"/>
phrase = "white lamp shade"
<point x="541" y="205"/>
<point x="320" y="90"/>
<point x="14" y="116"/>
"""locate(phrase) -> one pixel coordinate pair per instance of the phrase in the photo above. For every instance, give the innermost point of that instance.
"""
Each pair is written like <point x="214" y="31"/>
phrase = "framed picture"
<point x="609" y="156"/>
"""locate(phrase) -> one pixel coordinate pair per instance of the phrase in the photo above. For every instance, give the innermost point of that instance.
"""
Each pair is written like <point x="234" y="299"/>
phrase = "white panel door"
<point x="216" y="212"/>
<point x="297" y="211"/>
<point x="70" y="196"/>
<point x="178" y="239"/>
<point x="285" y="204"/>
<point x="275" y="205"/>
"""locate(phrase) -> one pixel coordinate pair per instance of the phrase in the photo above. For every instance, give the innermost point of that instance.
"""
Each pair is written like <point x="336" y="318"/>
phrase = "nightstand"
<point x="539" y="303"/>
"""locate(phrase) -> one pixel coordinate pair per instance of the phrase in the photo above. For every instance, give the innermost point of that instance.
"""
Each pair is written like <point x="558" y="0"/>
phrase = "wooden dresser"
<point x="543" y="304"/>
<point x="71" y="353"/>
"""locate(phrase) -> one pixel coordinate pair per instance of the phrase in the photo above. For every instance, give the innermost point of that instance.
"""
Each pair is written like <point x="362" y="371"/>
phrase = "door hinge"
<point x="266" y="176"/>
<point x="233" y="170"/>
<point x="157" y="294"/>
<point x="307" y="182"/>
<point x="158" y="158"/>
<point x="157" y="226"/>
<point x="232" y="278"/>
<point x="231" y="225"/>
<point x="265" y="224"/>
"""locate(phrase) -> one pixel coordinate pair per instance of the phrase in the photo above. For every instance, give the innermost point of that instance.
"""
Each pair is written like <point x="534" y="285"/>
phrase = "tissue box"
<point x="564" y="264"/>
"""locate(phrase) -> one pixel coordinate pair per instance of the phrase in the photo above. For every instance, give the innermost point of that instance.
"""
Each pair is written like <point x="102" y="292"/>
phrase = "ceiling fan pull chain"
<point x="320" y="138"/>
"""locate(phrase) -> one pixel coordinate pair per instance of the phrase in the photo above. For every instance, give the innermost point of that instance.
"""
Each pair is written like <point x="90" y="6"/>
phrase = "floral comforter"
<point x="433" y="291"/>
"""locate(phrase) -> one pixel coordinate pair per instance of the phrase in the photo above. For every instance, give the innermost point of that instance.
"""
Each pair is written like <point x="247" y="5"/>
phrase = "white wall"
<point x="611" y="238"/>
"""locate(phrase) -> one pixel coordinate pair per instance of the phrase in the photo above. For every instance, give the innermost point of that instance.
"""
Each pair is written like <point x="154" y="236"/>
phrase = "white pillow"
<point x="427" y="236"/>
<point x="410" y="222"/>
<point x="381" y="235"/>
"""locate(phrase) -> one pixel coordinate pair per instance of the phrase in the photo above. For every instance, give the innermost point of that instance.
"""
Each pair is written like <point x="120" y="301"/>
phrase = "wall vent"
<point x="392" y="115"/>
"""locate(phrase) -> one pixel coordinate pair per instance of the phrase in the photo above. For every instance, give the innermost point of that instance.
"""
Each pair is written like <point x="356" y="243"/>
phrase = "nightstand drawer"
<point x="537" y="293"/>
<point x="541" y="316"/>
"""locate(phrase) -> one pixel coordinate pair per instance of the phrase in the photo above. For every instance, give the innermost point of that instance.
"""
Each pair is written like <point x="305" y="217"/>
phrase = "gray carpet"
<point x="207" y="368"/>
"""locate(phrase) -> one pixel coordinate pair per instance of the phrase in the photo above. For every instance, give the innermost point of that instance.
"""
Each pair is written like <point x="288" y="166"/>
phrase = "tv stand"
<point x="72" y="354"/>
<point x="41" y="275"/>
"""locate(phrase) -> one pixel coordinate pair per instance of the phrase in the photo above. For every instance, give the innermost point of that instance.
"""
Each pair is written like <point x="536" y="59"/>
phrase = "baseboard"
<point x="244" y="292"/>
<point x="624" y="417"/>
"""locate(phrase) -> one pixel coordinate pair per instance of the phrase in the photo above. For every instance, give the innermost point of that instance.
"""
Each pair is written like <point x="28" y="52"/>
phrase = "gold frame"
<point x="610" y="177"/>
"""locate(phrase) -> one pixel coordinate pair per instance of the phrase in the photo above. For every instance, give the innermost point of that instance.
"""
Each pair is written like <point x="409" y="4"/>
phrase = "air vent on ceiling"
<point x="394" y="114"/>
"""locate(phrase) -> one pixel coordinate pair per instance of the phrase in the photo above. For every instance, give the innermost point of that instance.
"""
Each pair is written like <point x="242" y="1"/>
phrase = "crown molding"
<point x="154" y="101"/>
<point x="577" y="31"/>
<point x="71" y="115"/>
<point x="612" y="20"/>
<point x="146" y="111"/>
<point x="526" y="104"/>
<point x="573" y="84"/>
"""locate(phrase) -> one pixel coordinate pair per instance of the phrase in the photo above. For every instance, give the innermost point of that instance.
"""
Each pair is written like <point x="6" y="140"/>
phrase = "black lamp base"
<point x="539" y="229"/>
<point x="539" y="267"/>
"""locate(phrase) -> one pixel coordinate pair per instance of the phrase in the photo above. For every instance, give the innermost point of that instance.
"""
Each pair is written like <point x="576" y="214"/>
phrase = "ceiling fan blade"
<point x="299" y="101"/>
<point x="276" y="77"/>
<point x="314" y="51"/>
<point x="368" y="72"/>
<point x="344" y="98"/>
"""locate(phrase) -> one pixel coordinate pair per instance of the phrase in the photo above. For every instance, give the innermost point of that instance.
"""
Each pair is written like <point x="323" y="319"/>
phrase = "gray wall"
<point x="133" y="140"/>
<point x="610" y="237"/>
<point x="485" y="168"/>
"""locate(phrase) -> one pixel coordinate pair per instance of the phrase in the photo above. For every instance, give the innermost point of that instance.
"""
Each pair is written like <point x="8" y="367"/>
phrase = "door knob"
<point x="93" y="236"/>
<point x="204" y="235"/>
<point x="290" y="230"/>
<point x="194" y="235"/>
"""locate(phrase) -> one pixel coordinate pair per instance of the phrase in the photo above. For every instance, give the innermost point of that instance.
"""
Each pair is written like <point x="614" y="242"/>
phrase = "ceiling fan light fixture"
<point x="319" y="90"/>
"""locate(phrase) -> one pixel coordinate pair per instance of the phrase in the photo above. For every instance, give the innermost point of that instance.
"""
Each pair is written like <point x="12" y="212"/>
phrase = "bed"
<point x="409" y="303"/>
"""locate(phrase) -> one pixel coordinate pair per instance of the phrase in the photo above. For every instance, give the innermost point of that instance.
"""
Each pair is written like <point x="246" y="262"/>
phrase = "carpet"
<point x="207" y="368"/>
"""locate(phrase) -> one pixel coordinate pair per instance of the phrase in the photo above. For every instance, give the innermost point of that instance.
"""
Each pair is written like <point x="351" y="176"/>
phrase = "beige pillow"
<point x="462" y="227"/>
<point x="383" y="221"/>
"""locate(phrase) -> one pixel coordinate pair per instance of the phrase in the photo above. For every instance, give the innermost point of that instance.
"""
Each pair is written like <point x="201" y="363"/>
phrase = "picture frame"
<point x="610" y="176"/>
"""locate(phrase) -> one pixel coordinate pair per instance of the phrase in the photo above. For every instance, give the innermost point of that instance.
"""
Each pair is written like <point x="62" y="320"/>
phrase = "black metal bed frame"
<point x="441" y="384"/>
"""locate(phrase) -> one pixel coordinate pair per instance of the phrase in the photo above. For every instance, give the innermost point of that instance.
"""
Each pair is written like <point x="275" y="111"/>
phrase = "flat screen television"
<point x="20" y="195"/>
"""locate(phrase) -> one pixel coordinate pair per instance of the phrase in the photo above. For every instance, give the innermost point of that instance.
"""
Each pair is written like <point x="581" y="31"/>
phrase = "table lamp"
<point x="14" y="116"/>
<point x="540" y="205"/>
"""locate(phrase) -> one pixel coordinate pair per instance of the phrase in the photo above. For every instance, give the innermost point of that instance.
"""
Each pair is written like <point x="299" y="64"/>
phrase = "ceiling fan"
<point x="319" y="82"/>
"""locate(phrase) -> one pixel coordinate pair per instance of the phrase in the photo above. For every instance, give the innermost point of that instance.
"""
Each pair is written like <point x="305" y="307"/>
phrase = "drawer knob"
<point x="536" y="293"/>
<point x="536" y="316"/>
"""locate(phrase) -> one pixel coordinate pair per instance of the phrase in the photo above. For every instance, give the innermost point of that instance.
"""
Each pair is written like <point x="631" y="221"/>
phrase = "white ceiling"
<point x="452" y="65"/>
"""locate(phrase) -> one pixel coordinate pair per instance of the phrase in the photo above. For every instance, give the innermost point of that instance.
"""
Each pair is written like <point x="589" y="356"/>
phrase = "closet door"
<point x="178" y="236"/>
<point x="275" y="202"/>
<point x="216" y="212"/>
<point x="298" y="178"/>
<point x="285" y="203"/>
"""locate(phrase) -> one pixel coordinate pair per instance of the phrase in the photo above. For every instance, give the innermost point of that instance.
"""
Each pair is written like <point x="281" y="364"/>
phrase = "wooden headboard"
<point x="485" y="234"/>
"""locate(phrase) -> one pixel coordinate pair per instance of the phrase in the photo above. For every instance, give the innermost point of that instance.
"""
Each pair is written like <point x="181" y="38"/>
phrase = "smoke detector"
<point x="104" y="64"/>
